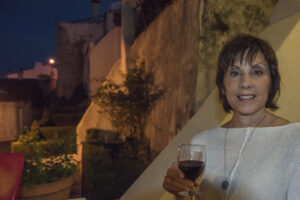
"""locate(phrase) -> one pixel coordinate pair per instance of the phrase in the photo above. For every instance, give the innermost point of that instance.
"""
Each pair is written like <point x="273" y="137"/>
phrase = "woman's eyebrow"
<point x="260" y="65"/>
<point x="233" y="67"/>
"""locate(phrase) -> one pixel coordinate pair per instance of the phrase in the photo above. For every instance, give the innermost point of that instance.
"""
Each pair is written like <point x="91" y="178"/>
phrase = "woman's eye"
<point x="234" y="73"/>
<point x="258" y="72"/>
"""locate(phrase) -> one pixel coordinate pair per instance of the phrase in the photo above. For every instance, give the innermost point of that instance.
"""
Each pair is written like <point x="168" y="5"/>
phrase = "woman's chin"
<point x="248" y="111"/>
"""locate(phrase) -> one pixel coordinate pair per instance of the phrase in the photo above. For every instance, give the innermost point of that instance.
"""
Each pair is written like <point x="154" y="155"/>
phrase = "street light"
<point x="51" y="61"/>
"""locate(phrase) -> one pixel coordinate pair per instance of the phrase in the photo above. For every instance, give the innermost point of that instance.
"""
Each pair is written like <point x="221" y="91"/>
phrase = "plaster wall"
<point x="14" y="117"/>
<point x="8" y="121"/>
<point x="288" y="60"/>
<point x="102" y="57"/>
<point x="284" y="9"/>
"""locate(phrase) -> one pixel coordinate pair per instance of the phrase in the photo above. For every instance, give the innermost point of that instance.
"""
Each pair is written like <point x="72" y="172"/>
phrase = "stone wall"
<point x="169" y="48"/>
<point x="72" y="53"/>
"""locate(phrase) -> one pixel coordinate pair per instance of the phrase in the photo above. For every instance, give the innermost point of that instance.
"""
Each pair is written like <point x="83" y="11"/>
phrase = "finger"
<point x="172" y="185"/>
<point x="174" y="188"/>
<point x="174" y="171"/>
<point x="177" y="185"/>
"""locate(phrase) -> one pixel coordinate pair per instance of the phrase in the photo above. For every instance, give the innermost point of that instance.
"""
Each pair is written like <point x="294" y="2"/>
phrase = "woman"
<point x="256" y="155"/>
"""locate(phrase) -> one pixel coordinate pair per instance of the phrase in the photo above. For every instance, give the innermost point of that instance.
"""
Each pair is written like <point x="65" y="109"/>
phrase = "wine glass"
<point x="191" y="161"/>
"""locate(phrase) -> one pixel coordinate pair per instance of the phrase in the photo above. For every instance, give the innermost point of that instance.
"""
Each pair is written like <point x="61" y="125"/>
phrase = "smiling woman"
<point x="246" y="85"/>
<point x="254" y="52"/>
<point x="256" y="155"/>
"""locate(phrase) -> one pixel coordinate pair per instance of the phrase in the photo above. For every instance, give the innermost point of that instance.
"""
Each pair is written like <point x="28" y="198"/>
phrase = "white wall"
<point x="103" y="56"/>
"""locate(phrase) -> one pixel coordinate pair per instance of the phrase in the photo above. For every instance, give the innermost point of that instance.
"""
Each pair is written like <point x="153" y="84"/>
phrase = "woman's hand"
<point x="175" y="183"/>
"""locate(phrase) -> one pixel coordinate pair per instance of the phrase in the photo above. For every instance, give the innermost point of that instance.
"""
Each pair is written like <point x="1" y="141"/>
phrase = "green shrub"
<point x="51" y="141"/>
<point x="45" y="160"/>
<point x="64" y="134"/>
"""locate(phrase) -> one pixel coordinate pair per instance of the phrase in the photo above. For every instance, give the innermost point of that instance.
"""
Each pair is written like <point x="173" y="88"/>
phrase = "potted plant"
<point x="48" y="165"/>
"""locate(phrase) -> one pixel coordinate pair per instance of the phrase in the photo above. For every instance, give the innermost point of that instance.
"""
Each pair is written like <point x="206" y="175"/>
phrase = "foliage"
<point x="129" y="105"/>
<point x="148" y="10"/>
<point x="66" y="133"/>
<point x="51" y="141"/>
<point x="45" y="160"/>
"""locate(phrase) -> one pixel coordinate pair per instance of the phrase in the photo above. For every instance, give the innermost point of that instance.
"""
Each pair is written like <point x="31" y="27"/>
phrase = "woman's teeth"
<point x="246" y="97"/>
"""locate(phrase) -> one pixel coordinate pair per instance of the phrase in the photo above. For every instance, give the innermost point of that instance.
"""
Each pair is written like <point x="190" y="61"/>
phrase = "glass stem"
<point x="193" y="194"/>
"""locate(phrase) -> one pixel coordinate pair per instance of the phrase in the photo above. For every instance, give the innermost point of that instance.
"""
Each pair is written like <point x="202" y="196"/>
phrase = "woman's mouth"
<point x="246" y="97"/>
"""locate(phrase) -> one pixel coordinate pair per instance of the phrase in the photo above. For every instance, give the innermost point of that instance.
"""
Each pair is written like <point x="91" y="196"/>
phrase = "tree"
<point x="129" y="104"/>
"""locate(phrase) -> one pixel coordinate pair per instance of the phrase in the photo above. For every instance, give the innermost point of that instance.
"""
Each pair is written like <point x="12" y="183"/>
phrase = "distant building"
<point x="21" y="101"/>
<point x="73" y="42"/>
<point x="38" y="71"/>
<point x="47" y="73"/>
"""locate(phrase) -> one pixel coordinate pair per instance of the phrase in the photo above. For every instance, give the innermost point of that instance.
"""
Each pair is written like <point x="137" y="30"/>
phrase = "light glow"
<point x="51" y="61"/>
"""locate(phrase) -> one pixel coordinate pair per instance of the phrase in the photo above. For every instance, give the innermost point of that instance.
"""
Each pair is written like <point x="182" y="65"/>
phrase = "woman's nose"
<point x="246" y="81"/>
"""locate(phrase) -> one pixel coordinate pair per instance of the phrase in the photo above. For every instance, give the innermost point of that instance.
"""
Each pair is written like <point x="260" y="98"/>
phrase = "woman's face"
<point x="247" y="85"/>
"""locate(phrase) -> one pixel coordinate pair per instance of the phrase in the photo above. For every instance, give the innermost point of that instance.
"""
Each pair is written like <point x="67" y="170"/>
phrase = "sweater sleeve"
<point x="293" y="192"/>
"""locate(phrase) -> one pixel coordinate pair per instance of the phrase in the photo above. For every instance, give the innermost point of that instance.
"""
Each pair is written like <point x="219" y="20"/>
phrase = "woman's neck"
<point x="241" y="121"/>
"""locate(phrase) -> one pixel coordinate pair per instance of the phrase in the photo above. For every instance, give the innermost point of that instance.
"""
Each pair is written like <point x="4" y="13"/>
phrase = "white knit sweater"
<point x="267" y="169"/>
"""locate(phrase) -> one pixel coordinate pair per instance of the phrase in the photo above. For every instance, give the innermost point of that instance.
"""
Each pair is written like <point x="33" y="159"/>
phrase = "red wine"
<point x="191" y="168"/>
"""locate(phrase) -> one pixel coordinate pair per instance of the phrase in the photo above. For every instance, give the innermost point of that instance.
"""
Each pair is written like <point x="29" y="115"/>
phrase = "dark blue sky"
<point x="28" y="29"/>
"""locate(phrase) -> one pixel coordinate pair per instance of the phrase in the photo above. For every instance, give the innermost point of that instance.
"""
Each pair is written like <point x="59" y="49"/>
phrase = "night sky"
<point x="28" y="29"/>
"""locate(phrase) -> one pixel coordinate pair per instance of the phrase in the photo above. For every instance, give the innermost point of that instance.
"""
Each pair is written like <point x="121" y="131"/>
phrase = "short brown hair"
<point x="235" y="49"/>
